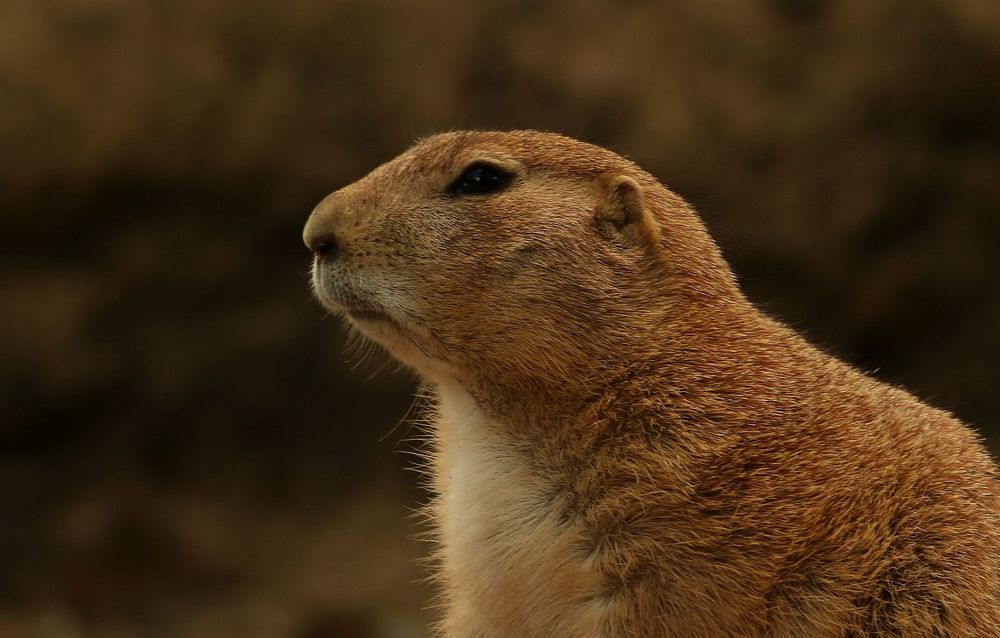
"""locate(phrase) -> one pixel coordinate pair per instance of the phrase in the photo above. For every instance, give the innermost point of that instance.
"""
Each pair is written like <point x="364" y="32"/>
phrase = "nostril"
<point x="325" y="247"/>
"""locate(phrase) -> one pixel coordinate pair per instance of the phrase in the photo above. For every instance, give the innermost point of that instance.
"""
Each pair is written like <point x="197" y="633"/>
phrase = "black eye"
<point x="480" y="179"/>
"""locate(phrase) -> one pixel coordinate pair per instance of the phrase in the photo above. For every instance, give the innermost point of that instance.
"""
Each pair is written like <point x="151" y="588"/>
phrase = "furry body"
<point x="624" y="445"/>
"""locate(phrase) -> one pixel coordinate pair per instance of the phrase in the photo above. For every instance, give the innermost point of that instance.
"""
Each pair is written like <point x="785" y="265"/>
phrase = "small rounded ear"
<point x="622" y="213"/>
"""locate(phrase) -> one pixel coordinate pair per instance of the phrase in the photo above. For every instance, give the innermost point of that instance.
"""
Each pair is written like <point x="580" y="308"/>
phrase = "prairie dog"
<point x="624" y="445"/>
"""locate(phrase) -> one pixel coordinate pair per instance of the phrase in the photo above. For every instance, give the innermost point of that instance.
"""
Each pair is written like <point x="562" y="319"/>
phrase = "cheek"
<point x="474" y="269"/>
<point x="453" y="291"/>
<point x="453" y="263"/>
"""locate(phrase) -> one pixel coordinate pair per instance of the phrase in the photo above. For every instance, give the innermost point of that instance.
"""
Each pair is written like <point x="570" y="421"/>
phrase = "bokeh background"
<point x="187" y="450"/>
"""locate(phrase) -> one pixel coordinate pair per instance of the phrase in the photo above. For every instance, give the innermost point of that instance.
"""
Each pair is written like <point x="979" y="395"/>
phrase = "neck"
<point x="681" y="351"/>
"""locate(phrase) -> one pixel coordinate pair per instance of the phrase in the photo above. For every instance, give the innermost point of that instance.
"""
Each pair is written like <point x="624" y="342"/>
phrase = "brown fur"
<point x="625" y="446"/>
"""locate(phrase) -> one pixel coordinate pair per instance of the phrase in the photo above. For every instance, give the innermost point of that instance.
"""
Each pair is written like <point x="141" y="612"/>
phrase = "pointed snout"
<point x="319" y="235"/>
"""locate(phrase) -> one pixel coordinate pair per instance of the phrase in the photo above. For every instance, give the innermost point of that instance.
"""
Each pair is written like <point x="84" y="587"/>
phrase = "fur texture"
<point x="624" y="445"/>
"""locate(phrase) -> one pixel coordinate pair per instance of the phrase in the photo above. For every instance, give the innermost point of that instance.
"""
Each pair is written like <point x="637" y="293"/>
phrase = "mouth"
<point x="407" y="340"/>
<point x="366" y="313"/>
<point x="356" y="309"/>
<point x="337" y="296"/>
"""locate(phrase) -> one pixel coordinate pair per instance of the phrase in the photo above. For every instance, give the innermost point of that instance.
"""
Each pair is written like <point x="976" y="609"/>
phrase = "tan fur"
<point x="624" y="445"/>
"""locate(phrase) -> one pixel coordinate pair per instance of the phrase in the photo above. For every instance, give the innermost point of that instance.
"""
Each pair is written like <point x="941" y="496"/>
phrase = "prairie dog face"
<point x="499" y="253"/>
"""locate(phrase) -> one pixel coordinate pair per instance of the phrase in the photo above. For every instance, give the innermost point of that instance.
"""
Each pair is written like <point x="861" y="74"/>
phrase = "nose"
<point x="323" y="244"/>
<point x="319" y="234"/>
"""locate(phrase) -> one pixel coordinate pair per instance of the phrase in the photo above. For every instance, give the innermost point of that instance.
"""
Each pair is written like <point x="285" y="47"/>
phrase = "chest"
<point x="510" y="563"/>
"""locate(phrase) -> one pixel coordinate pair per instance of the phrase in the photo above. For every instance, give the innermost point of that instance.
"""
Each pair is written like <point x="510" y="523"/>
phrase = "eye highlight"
<point x="480" y="179"/>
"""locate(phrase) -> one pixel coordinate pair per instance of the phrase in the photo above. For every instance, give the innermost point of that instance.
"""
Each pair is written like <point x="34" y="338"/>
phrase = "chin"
<point x="410" y="344"/>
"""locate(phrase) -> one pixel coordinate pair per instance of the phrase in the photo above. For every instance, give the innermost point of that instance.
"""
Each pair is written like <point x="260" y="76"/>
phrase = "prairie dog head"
<point x="524" y="258"/>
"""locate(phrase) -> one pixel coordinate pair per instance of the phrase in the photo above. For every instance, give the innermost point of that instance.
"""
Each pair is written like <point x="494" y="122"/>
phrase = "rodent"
<point x="623" y="444"/>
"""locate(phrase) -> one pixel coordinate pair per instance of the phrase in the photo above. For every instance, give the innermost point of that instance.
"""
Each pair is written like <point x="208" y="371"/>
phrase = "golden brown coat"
<point x="624" y="445"/>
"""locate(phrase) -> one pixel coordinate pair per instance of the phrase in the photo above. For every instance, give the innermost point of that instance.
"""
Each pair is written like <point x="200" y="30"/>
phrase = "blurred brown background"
<point x="184" y="447"/>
